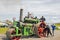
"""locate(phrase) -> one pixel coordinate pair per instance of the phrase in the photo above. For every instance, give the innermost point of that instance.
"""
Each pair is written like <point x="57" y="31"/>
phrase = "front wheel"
<point x="15" y="38"/>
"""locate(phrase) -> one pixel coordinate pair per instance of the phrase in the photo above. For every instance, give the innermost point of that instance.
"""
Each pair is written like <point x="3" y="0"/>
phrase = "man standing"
<point x="53" y="28"/>
<point x="42" y="22"/>
<point x="47" y="29"/>
<point x="42" y="19"/>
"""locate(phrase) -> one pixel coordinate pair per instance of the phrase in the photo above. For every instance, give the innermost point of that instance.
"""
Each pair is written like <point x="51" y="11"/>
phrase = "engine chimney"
<point x="21" y="15"/>
<point x="28" y="14"/>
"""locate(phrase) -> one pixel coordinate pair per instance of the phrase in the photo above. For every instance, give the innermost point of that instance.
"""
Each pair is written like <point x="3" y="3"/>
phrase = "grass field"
<point x="3" y="30"/>
<point x="57" y="26"/>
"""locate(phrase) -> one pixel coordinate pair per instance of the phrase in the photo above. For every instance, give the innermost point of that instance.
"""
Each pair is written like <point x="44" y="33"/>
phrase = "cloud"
<point x="47" y="6"/>
<point x="11" y="8"/>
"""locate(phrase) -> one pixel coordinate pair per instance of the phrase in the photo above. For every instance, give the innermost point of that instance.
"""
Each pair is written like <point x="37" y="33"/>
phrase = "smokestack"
<point x="28" y="15"/>
<point x="21" y="15"/>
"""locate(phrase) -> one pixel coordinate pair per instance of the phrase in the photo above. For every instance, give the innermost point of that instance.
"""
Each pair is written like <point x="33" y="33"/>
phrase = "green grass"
<point x="3" y="30"/>
<point x="57" y="26"/>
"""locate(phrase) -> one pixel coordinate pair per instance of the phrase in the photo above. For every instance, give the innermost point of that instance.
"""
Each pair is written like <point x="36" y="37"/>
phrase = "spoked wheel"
<point x="15" y="38"/>
<point x="40" y="32"/>
<point x="12" y="32"/>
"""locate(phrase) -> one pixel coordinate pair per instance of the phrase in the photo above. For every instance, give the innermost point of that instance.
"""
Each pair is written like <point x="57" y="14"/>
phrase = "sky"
<point x="50" y="9"/>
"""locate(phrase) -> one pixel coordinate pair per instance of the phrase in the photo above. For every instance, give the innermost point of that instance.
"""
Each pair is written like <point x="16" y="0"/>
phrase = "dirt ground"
<point x="56" y="37"/>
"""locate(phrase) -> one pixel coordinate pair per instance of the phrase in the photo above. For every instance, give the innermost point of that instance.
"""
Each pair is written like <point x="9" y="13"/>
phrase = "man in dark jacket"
<point x="48" y="30"/>
<point x="42" y="19"/>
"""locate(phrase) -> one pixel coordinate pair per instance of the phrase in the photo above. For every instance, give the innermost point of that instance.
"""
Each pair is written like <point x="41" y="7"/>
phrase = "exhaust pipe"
<point x="21" y="15"/>
<point x="28" y="15"/>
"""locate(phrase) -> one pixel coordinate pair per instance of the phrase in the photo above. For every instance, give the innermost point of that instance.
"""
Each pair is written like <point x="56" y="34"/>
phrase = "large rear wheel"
<point x="38" y="31"/>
